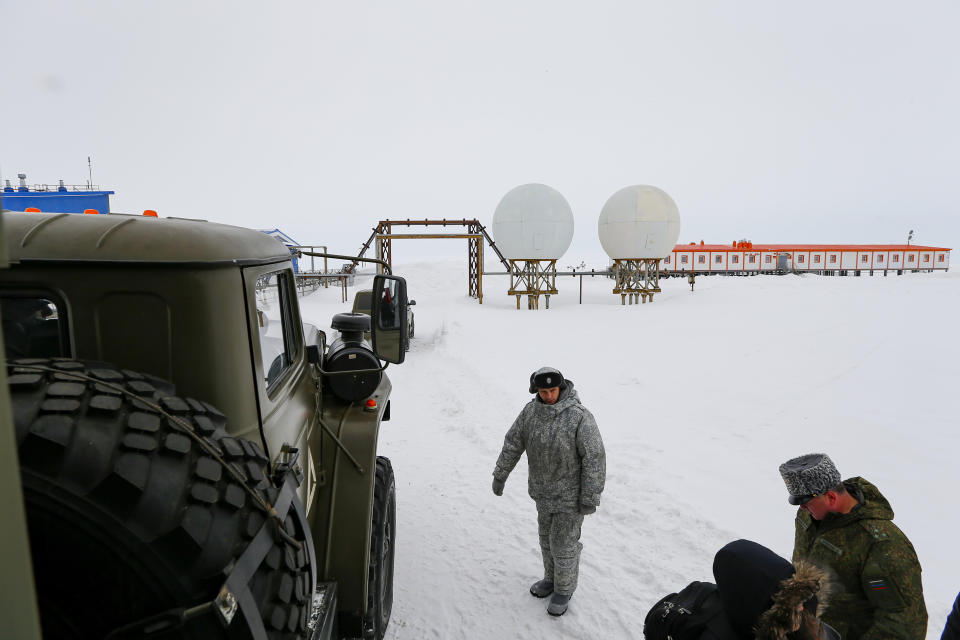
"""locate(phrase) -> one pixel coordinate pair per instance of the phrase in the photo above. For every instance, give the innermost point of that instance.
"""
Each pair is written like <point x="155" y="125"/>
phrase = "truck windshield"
<point x="362" y="302"/>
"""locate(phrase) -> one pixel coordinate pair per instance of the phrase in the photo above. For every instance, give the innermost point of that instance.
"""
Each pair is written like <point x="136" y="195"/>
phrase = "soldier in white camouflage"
<point x="567" y="466"/>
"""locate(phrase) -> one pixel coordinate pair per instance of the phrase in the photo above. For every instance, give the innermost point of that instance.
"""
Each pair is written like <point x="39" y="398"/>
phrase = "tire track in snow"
<point x="457" y="559"/>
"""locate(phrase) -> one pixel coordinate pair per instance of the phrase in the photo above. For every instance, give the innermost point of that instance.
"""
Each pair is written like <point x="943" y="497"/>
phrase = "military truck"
<point x="195" y="461"/>
<point x="363" y="302"/>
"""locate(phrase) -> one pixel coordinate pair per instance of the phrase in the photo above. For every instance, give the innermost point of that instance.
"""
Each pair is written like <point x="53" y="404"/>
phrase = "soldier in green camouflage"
<point x="847" y="528"/>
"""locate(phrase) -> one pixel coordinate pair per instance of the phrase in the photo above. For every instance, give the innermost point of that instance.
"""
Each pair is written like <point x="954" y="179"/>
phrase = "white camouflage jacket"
<point x="564" y="450"/>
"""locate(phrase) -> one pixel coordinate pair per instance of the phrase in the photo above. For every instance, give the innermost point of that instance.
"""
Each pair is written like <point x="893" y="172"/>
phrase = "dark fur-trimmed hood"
<point x="763" y="593"/>
<point x="807" y="581"/>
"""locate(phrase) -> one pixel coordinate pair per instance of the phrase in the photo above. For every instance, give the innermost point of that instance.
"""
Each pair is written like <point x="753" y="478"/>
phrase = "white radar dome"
<point x="639" y="222"/>
<point x="533" y="222"/>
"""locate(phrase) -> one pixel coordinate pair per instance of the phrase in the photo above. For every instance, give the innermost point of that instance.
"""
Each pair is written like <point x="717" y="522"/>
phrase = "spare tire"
<point x="139" y="503"/>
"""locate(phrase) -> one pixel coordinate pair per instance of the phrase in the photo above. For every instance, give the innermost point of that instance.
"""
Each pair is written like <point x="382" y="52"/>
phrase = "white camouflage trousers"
<point x="560" y="545"/>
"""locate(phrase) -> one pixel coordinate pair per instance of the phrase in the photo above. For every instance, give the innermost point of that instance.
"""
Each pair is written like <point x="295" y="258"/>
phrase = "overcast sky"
<point x="775" y="121"/>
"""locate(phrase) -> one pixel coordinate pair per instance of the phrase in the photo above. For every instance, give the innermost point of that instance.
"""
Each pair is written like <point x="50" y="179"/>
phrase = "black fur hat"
<point x="546" y="378"/>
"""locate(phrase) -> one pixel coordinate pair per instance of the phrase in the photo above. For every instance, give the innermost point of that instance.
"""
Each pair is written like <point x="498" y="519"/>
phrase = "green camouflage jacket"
<point x="876" y="590"/>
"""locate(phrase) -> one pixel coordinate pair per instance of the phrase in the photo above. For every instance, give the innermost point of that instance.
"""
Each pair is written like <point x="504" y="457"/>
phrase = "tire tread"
<point x="133" y="476"/>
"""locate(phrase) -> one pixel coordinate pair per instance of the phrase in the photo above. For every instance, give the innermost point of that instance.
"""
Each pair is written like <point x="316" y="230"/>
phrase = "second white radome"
<point x="639" y="222"/>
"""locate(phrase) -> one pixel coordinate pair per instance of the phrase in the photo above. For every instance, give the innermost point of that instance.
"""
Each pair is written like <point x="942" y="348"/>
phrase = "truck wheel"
<point x="130" y="516"/>
<point x="382" y="543"/>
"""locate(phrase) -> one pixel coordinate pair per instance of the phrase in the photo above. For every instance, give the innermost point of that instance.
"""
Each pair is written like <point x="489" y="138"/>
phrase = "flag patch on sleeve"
<point x="878" y="585"/>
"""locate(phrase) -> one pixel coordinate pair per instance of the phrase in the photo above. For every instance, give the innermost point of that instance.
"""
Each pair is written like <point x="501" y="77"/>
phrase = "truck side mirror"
<point x="388" y="317"/>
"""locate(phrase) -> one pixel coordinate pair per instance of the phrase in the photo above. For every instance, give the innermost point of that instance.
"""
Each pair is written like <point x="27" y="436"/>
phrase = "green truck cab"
<point x="277" y="428"/>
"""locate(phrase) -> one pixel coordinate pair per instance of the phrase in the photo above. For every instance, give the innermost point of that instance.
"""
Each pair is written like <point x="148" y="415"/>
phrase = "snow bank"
<point x="699" y="397"/>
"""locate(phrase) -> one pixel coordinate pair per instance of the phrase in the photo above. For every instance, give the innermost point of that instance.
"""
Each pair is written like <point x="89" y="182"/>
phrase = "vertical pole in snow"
<point x="480" y="271"/>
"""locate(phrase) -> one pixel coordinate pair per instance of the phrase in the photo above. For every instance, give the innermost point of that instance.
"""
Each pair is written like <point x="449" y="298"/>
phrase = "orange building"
<point x="747" y="258"/>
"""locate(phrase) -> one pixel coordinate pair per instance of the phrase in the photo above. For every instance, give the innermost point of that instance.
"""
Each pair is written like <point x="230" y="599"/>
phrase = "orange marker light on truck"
<point x="31" y="210"/>
<point x="91" y="211"/>
<point x="150" y="213"/>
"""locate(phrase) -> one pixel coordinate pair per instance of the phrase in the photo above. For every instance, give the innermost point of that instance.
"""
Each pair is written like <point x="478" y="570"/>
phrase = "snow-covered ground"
<point x="699" y="397"/>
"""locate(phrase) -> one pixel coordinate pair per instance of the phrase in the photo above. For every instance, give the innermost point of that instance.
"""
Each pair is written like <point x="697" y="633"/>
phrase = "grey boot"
<point x="542" y="588"/>
<point x="558" y="604"/>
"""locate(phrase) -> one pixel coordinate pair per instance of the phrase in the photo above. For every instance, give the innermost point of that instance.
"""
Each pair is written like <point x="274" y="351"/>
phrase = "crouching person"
<point x="758" y="596"/>
<point x="567" y="467"/>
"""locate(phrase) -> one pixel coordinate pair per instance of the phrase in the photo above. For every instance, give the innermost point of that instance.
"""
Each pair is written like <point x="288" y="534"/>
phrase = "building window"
<point x="895" y="258"/>
<point x="879" y="258"/>
<point x="940" y="258"/>
<point x="667" y="260"/>
<point x="701" y="259"/>
<point x="910" y="258"/>
<point x="816" y="259"/>
<point x="768" y="259"/>
<point x="752" y="259"/>
<point x="718" y="259"/>
<point x="735" y="259"/>
<point x="926" y="258"/>
<point x="683" y="259"/>
<point x="800" y="258"/>
<point x="864" y="258"/>
<point x="833" y="259"/>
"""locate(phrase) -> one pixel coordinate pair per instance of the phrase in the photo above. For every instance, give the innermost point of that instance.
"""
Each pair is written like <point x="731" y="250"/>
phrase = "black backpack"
<point x="684" y="615"/>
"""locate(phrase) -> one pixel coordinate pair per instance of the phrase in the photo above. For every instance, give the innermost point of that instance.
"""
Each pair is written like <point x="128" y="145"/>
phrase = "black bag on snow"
<point x="684" y="615"/>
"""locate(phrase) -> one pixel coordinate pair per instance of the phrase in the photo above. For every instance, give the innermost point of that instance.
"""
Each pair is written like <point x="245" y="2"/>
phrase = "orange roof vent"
<point x="31" y="210"/>
<point x="150" y="213"/>
<point x="91" y="211"/>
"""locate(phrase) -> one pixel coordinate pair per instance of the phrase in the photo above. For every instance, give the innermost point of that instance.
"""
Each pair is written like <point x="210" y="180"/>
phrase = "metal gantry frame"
<point x="533" y="278"/>
<point x="636" y="279"/>
<point x="475" y="235"/>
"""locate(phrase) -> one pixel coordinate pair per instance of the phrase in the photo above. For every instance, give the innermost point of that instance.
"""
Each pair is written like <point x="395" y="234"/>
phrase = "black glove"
<point x="586" y="509"/>
<point x="498" y="487"/>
